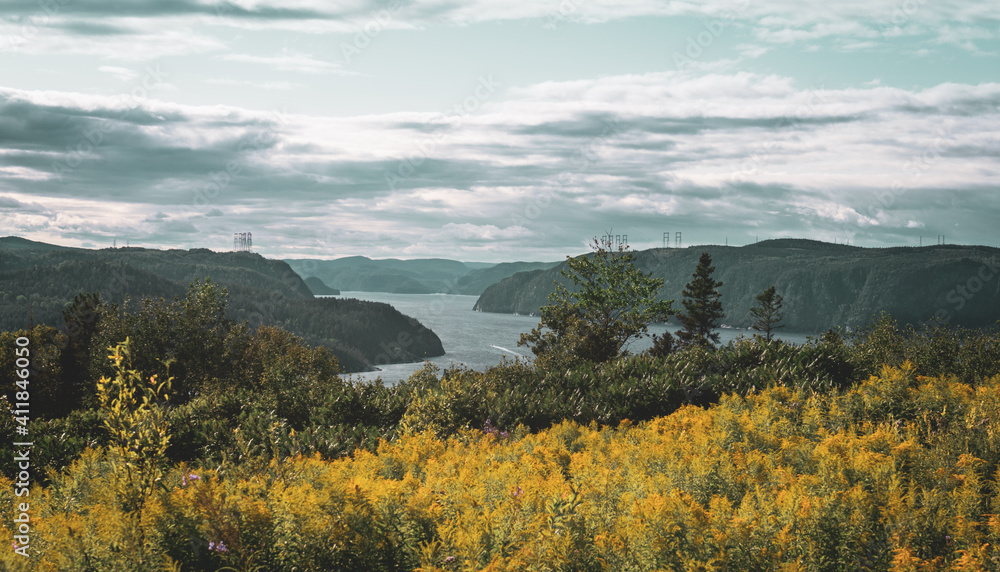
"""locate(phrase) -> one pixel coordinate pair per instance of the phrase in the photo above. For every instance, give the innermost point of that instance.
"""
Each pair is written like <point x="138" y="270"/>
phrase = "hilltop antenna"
<point x="242" y="241"/>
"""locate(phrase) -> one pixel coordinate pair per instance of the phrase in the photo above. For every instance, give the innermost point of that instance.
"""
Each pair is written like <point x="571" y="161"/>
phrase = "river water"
<point x="479" y="339"/>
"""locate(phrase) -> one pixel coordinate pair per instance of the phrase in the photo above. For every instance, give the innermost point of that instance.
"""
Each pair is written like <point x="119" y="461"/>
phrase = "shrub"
<point x="782" y="478"/>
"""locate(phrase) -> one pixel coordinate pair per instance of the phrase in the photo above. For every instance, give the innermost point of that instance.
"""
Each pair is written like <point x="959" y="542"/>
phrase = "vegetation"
<point x="702" y="308"/>
<point x="824" y="285"/>
<point x="202" y="444"/>
<point x="38" y="283"/>
<point x="767" y="315"/>
<point x="895" y="473"/>
<point x="612" y="302"/>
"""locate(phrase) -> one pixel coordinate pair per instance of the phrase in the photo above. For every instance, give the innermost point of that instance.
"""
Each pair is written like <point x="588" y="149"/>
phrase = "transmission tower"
<point x="615" y="240"/>
<point x="243" y="241"/>
<point x="677" y="239"/>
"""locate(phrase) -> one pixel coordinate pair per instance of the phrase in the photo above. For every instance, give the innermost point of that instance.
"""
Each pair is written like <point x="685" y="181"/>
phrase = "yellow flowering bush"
<point x="901" y="472"/>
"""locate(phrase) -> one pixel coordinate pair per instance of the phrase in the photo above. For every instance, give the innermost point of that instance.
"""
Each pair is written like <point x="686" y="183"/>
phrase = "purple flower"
<point x="449" y="560"/>
<point x="218" y="547"/>
<point x="190" y="477"/>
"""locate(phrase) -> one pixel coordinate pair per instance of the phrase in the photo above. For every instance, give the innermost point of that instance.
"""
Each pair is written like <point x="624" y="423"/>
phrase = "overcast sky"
<point x="495" y="130"/>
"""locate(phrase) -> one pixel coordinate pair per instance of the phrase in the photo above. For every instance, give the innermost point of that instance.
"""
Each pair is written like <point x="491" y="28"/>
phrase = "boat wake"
<point x="512" y="352"/>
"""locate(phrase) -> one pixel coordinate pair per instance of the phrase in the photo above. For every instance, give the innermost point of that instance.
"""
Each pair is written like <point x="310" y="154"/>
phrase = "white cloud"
<point x="290" y="61"/>
<point x="121" y="74"/>
<point x="551" y="162"/>
<point x="269" y="85"/>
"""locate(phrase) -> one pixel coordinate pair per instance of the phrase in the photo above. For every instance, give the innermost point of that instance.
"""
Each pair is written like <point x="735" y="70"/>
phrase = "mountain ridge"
<point x="824" y="285"/>
<point x="415" y="276"/>
<point x="37" y="282"/>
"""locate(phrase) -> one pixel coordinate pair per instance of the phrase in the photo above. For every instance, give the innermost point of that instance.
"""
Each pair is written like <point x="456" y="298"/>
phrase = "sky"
<point x="494" y="131"/>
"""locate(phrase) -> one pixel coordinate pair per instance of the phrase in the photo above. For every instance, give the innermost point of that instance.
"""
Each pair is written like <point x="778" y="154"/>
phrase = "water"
<point x="479" y="340"/>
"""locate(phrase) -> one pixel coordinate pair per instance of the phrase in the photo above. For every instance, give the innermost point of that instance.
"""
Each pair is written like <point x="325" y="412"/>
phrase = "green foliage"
<point x="50" y="394"/>
<point x="46" y="285"/>
<point x="134" y="414"/>
<point x="612" y="303"/>
<point x="190" y="333"/>
<point x="767" y="314"/>
<point x="971" y="354"/>
<point x="702" y="308"/>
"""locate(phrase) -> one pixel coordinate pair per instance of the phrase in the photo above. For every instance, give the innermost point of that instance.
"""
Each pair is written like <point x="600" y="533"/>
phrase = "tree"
<point x="662" y="345"/>
<point x="191" y="332"/>
<point x="768" y="314"/>
<point x="702" y="308"/>
<point x="612" y="303"/>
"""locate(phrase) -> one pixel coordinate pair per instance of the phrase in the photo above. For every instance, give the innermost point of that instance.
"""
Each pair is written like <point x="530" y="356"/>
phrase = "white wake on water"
<point x="512" y="352"/>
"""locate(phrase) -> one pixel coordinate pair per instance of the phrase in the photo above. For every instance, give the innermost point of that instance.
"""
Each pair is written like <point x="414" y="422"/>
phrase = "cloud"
<point x="124" y="30"/>
<point x="121" y="74"/>
<point x="719" y="156"/>
<point x="289" y="61"/>
<point x="269" y="85"/>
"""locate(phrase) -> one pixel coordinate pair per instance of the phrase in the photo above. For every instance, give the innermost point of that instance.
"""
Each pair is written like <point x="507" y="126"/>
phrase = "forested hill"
<point x="38" y="280"/>
<point x="420" y="276"/>
<point x="824" y="285"/>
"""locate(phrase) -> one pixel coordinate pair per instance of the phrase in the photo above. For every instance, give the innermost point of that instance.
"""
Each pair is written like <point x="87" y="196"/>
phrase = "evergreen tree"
<point x="768" y="314"/>
<point x="702" y="308"/>
<point x="613" y="302"/>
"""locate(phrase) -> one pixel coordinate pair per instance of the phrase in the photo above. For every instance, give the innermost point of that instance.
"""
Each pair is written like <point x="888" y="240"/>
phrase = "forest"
<point x="824" y="285"/>
<point x="38" y="282"/>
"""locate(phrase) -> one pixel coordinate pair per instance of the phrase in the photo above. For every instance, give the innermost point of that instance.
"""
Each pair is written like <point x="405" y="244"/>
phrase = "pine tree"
<point x="768" y="314"/>
<point x="702" y="308"/>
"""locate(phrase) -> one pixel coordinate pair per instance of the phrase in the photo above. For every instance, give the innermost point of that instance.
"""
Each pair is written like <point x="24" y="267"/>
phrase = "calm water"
<point x="480" y="339"/>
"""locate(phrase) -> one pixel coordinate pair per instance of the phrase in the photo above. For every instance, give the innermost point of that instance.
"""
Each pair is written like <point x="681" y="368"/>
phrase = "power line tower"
<point x="243" y="241"/>
<point x="666" y="239"/>
<point x="616" y="240"/>
<point x="677" y="239"/>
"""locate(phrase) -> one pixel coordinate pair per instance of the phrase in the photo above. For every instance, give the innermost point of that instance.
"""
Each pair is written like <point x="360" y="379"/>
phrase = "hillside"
<point x="37" y="281"/>
<point x="824" y="285"/>
<point x="419" y="276"/>
<point x="319" y="288"/>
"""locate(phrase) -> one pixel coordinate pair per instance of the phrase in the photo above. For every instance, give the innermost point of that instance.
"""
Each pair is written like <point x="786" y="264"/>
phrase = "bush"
<point x="783" y="478"/>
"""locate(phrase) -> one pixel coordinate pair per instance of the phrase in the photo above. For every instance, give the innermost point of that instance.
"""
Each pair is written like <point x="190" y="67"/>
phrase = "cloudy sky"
<point x="493" y="130"/>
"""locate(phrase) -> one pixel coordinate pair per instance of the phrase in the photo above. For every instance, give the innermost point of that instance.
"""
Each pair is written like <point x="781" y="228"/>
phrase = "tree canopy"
<point x="611" y="303"/>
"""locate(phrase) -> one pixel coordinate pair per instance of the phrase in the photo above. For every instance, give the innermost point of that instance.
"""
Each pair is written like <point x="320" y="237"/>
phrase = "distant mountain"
<point x="420" y="276"/>
<point x="18" y="243"/>
<point x="824" y="285"/>
<point x="477" y="281"/>
<point x="37" y="280"/>
<point x="319" y="288"/>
